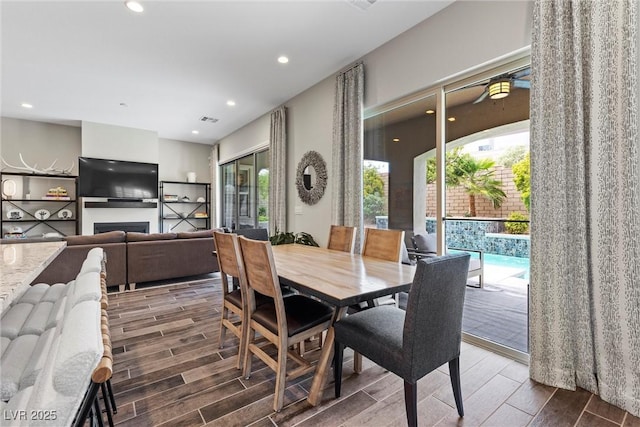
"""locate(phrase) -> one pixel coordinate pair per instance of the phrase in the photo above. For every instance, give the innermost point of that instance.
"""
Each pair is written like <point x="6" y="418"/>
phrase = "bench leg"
<point x="107" y="404"/>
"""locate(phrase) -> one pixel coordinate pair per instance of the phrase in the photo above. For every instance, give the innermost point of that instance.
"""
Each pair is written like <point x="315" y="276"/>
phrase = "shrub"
<point x="517" y="227"/>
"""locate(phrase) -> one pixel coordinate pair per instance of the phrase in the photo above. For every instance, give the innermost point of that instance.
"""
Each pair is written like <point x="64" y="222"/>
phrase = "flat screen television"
<point x="117" y="179"/>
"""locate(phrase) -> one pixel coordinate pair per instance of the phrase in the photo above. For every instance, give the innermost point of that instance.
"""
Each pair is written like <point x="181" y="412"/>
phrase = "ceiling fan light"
<point x="499" y="89"/>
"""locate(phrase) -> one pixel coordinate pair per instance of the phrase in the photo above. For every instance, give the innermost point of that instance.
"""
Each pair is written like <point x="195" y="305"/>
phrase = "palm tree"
<point x="476" y="176"/>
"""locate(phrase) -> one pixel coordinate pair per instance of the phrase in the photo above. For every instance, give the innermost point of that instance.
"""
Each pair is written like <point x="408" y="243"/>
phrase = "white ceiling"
<point x="179" y="60"/>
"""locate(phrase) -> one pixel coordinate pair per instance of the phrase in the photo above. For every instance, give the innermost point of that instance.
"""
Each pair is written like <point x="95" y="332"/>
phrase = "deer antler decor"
<point x="50" y="170"/>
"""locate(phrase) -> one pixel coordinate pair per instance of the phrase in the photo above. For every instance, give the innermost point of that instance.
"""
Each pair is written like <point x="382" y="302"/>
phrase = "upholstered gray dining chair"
<point x="414" y="343"/>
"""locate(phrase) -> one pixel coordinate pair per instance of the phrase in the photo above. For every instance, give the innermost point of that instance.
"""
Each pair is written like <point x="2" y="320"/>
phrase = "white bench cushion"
<point x="37" y="320"/>
<point x="13" y="362"/>
<point x="86" y="288"/>
<point x="16" y="412"/>
<point x="56" y="314"/>
<point x="43" y="351"/>
<point x="55" y="292"/>
<point x="34" y="294"/>
<point x="4" y="343"/>
<point x="13" y="319"/>
<point x="79" y="349"/>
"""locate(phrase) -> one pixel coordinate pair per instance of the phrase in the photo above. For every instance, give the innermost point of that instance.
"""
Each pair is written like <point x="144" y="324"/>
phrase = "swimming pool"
<point x="508" y="262"/>
<point x="509" y="265"/>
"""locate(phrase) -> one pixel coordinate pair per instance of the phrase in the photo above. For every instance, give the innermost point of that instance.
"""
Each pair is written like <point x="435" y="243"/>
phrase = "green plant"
<point x="522" y="179"/>
<point x="372" y="205"/>
<point x="373" y="199"/>
<point x="287" y="237"/>
<point x="512" y="156"/>
<point x="476" y="176"/>
<point x="517" y="227"/>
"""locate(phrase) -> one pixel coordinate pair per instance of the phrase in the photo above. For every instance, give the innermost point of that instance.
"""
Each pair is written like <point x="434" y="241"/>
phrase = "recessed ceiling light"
<point x="452" y="119"/>
<point x="396" y="139"/>
<point x="26" y="105"/>
<point x="134" y="6"/>
<point x="231" y="103"/>
<point x="123" y="104"/>
<point x="195" y="132"/>
<point x="283" y="59"/>
<point x="430" y="111"/>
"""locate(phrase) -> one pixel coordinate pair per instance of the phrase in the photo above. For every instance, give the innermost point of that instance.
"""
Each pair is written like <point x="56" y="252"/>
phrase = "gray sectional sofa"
<point x="137" y="257"/>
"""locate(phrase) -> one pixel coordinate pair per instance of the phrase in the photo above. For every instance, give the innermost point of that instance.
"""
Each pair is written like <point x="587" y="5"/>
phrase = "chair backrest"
<point x="260" y="267"/>
<point x="229" y="258"/>
<point x="383" y="244"/>
<point x="433" y="322"/>
<point x="253" y="233"/>
<point x="342" y="238"/>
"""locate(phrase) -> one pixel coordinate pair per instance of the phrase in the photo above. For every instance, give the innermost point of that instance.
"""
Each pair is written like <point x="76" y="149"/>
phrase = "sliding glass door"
<point x="451" y="164"/>
<point x="245" y="192"/>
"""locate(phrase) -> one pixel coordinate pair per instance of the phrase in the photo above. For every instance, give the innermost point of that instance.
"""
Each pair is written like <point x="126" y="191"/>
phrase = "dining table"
<point x="339" y="279"/>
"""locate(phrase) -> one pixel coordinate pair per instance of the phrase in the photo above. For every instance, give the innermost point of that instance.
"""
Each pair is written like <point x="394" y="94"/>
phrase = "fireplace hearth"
<point x="103" y="227"/>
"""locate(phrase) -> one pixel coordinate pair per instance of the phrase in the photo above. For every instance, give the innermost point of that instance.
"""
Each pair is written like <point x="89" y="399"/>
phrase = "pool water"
<point x="519" y="265"/>
<point x="509" y="262"/>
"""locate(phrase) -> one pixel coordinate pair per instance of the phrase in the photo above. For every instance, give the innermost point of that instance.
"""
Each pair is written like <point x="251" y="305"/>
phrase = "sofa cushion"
<point x="195" y="234"/>
<point x="426" y="243"/>
<point x="14" y="361"/>
<point x="143" y="237"/>
<point x="97" y="239"/>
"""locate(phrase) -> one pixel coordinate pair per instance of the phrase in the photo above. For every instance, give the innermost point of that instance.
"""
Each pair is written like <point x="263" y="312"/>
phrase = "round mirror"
<point x="311" y="177"/>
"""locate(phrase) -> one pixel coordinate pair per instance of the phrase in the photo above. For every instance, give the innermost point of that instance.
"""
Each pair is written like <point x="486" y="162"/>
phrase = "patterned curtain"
<point x="346" y="171"/>
<point x="278" y="171"/>
<point x="585" y="199"/>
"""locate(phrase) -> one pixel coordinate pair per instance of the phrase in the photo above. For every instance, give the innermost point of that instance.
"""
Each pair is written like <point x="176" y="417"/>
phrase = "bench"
<point x="56" y="350"/>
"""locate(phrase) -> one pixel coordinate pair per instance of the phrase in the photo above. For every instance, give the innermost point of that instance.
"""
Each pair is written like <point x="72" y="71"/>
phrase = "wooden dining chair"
<point x="413" y="343"/>
<point x="230" y="262"/>
<point x="284" y="322"/>
<point x="383" y="244"/>
<point x="342" y="238"/>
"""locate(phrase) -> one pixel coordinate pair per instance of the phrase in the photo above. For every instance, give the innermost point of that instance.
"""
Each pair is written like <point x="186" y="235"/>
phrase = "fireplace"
<point x="103" y="227"/>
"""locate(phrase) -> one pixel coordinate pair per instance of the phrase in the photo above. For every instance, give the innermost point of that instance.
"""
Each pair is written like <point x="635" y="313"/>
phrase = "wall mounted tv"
<point x="117" y="179"/>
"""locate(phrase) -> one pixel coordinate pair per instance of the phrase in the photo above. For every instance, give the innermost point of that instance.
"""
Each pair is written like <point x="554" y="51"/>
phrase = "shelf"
<point x="114" y="205"/>
<point x="39" y="200"/>
<point x="185" y="183"/>
<point x="185" y="217"/>
<point x="39" y="175"/>
<point x="192" y="203"/>
<point x="41" y="220"/>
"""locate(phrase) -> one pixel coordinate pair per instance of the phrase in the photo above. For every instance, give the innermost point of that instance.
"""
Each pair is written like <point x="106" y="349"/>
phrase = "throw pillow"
<point x="426" y="243"/>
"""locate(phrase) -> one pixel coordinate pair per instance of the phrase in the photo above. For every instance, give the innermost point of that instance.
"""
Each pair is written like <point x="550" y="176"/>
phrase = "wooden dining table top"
<point x="339" y="278"/>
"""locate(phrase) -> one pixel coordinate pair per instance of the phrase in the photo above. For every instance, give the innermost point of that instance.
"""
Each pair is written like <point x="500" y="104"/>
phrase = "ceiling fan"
<point x="499" y="87"/>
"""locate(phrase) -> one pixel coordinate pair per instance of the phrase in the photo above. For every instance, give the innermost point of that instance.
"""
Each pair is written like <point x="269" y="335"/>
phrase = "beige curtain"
<point x="278" y="171"/>
<point x="585" y="199"/>
<point x="346" y="170"/>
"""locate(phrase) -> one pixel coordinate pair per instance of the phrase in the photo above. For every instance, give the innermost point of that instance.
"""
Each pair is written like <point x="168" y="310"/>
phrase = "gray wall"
<point x="457" y="39"/>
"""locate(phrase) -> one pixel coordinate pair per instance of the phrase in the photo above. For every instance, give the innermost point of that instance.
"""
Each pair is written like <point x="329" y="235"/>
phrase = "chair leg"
<point x="411" y="402"/>
<point x="338" y="350"/>
<point x="357" y="362"/>
<point x="454" y="373"/>
<point x="223" y="329"/>
<point x="250" y="337"/>
<point x="281" y="375"/>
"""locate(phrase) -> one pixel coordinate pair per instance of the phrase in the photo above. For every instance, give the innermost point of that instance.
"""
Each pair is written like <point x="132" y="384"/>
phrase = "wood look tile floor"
<point x="169" y="371"/>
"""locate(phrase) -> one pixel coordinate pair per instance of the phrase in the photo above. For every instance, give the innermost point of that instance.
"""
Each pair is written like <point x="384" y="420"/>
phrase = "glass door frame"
<point x="518" y="59"/>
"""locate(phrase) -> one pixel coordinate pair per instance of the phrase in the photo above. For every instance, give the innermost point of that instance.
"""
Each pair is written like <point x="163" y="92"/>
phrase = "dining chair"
<point x="342" y="238"/>
<point x="413" y="343"/>
<point x="383" y="244"/>
<point x="230" y="263"/>
<point x="284" y="322"/>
